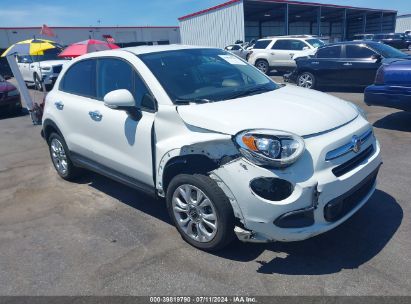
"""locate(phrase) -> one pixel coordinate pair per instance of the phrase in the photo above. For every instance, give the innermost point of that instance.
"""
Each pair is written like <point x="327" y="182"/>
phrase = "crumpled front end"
<point x="315" y="194"/>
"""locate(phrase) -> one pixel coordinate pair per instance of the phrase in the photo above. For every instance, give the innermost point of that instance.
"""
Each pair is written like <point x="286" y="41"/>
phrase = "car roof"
<point x="353" y="42"/>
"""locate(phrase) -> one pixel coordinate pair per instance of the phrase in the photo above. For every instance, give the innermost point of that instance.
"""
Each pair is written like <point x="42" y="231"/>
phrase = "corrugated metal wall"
<point x="217" y="28"/>
<point x="403" y="24"/>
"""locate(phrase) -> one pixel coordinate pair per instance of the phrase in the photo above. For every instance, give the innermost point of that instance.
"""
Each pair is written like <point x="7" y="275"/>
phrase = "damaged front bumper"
<point x="319" y="201"/>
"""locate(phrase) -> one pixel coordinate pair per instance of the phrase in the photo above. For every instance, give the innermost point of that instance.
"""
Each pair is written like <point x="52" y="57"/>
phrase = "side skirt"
<point x="83" y="162"/>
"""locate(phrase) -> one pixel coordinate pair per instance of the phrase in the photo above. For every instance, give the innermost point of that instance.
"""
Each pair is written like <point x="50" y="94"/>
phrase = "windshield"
<point x="316" y="42"/>
<point x="387" y="51"/>
<point x="50" y="54"/>
<point x="205" y="75"/>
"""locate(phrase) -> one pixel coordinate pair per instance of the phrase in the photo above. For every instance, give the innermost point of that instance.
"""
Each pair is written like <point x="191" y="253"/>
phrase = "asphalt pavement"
<point x="98" y="237"/>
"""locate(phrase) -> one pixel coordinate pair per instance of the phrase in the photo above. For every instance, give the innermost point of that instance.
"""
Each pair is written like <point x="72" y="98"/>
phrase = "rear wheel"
<point x="306" y="80"/>
<point x="59" y="154"/>
<point x="262" y="65"/>
<point x="201" y="211"/>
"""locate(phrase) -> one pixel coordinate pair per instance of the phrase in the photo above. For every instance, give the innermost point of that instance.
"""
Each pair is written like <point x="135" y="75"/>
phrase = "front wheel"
<point x="37" y="83"/>
<point x="201" y="211"/>
<point x="306" y="80"/>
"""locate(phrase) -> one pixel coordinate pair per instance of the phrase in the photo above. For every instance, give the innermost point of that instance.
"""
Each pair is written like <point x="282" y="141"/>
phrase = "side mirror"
<point x="122" y="100"/>
<point x="306" y="48"/>
<point x="376" y="57"/>
<point x="119" y="99"/>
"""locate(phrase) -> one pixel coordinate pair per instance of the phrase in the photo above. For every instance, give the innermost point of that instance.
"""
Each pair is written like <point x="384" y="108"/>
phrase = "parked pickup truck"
<point x="232" y="152"/>
<point x="39" y="70"/>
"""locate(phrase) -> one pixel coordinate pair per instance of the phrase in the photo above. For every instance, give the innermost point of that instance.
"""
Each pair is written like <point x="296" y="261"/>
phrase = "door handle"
<point x="95" y="115"/>
<point x="291" y="54"/>
<point x="59" y="105"/>
<point x="272" y="53"/>
<point x="348" y="64"/>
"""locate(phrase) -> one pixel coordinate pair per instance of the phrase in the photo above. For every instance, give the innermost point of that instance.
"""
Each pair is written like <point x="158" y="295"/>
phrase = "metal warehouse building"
<point x="252" y="19"/>
<point x="124" y="36"/>
<point x="403" y="23"/>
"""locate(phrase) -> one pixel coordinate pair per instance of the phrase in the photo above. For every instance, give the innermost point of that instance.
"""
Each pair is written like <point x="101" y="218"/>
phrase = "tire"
<point x="193" y="221"/>
<point x="37" y="82"/>
<point x="262" y="65"/>
<point x="60" y="157"/>
<point x="306" y="80"/>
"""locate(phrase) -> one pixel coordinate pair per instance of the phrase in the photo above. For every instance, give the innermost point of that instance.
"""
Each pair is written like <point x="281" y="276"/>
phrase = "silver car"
<point x="238" y="50"/>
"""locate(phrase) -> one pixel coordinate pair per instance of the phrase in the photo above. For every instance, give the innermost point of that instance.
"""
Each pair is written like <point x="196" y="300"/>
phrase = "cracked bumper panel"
<point x="309" y="174"/>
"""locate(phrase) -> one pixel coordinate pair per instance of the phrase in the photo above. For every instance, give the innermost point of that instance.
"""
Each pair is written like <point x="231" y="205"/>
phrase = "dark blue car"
<point x="392" y="87"/>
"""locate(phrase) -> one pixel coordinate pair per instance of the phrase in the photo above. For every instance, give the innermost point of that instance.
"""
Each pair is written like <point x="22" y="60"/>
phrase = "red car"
<point x="9" y="97"/>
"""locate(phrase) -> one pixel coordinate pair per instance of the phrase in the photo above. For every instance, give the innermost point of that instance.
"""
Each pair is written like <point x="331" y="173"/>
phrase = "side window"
<point x="113" y="74"/>
<point x="329" y="52"/>
<point x="80" y="79"/>
<point x="289" y="45"/>
<point x="142" y="95"/>
<point x="357" y="51"/>
<point x="261" y="44"/>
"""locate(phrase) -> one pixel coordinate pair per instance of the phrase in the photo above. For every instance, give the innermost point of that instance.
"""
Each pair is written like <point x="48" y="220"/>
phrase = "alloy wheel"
<point x="262" y="66"/>
<point x="195" y="213"/>
<point x="58" y="156"/>
<point x="305" y="81"/>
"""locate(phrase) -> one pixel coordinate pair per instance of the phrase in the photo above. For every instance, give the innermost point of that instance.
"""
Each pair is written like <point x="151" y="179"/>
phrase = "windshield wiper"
<point x="182" y="101"/>
<point x="249" y="92"/>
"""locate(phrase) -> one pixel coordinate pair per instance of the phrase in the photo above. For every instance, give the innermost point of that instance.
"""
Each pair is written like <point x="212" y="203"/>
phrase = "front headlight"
<point x="270" y="147"/>
<point x="13" y="93"/>
<point x="45" y="68"/>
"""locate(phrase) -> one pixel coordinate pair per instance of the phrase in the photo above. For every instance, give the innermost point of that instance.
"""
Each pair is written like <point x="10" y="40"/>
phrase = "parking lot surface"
<point x="98" y="237"/>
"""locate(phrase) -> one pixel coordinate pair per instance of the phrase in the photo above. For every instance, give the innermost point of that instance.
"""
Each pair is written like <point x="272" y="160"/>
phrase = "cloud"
<point x="35" y="15"/>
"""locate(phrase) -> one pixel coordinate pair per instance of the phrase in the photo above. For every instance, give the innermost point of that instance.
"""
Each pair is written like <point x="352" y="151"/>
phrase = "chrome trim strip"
<point x="347" y="148"/>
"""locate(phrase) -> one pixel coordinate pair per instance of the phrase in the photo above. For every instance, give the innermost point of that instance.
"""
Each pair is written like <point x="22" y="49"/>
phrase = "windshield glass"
<point x="50" y="54"/>
<point x="205" y="75"/>
<point x="387" y="51"/>
<point x="316" y="42"/>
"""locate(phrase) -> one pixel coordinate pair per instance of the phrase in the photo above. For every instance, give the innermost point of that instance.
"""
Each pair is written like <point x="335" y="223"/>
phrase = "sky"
<point x="131" y="12"/>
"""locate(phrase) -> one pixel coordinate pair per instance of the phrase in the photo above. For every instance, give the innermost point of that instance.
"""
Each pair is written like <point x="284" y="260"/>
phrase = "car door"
<point x="283" y="51"/>
<point x="23" y="63"/>
<point x="76" y="95"/>
<point x="359" y="67"/>
<point x="123" y="141"/>
<point x="326" y="65"/>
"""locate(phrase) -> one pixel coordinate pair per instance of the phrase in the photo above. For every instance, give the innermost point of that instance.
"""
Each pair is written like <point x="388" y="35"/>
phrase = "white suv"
<point x="232" y="152"/>
<point x="40" y="70"/>
<point x="279" y="52"/>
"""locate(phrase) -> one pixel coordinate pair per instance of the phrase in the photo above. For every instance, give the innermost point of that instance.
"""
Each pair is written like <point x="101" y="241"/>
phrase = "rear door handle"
<point x="59" y="105"/>
<point x="95" y="115"/>
<point x="348" y="64"/>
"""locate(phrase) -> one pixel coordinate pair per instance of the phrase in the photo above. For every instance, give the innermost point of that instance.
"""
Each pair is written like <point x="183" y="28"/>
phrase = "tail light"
<point x="379" y="78"/>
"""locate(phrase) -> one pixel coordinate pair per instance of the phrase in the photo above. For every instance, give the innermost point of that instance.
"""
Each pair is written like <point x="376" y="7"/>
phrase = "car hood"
<point x="293" y="109"/>
<point x="6" y="86"/>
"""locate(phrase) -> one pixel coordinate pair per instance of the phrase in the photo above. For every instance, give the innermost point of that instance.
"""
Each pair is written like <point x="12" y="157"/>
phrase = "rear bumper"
<point x="384" y="96"/>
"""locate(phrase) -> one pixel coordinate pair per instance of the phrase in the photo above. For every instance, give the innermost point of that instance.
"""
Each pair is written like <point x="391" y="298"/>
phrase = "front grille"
<point x="353" y="162"/>
<point x="342" y="205"/>
<point x="57" y="68"/>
